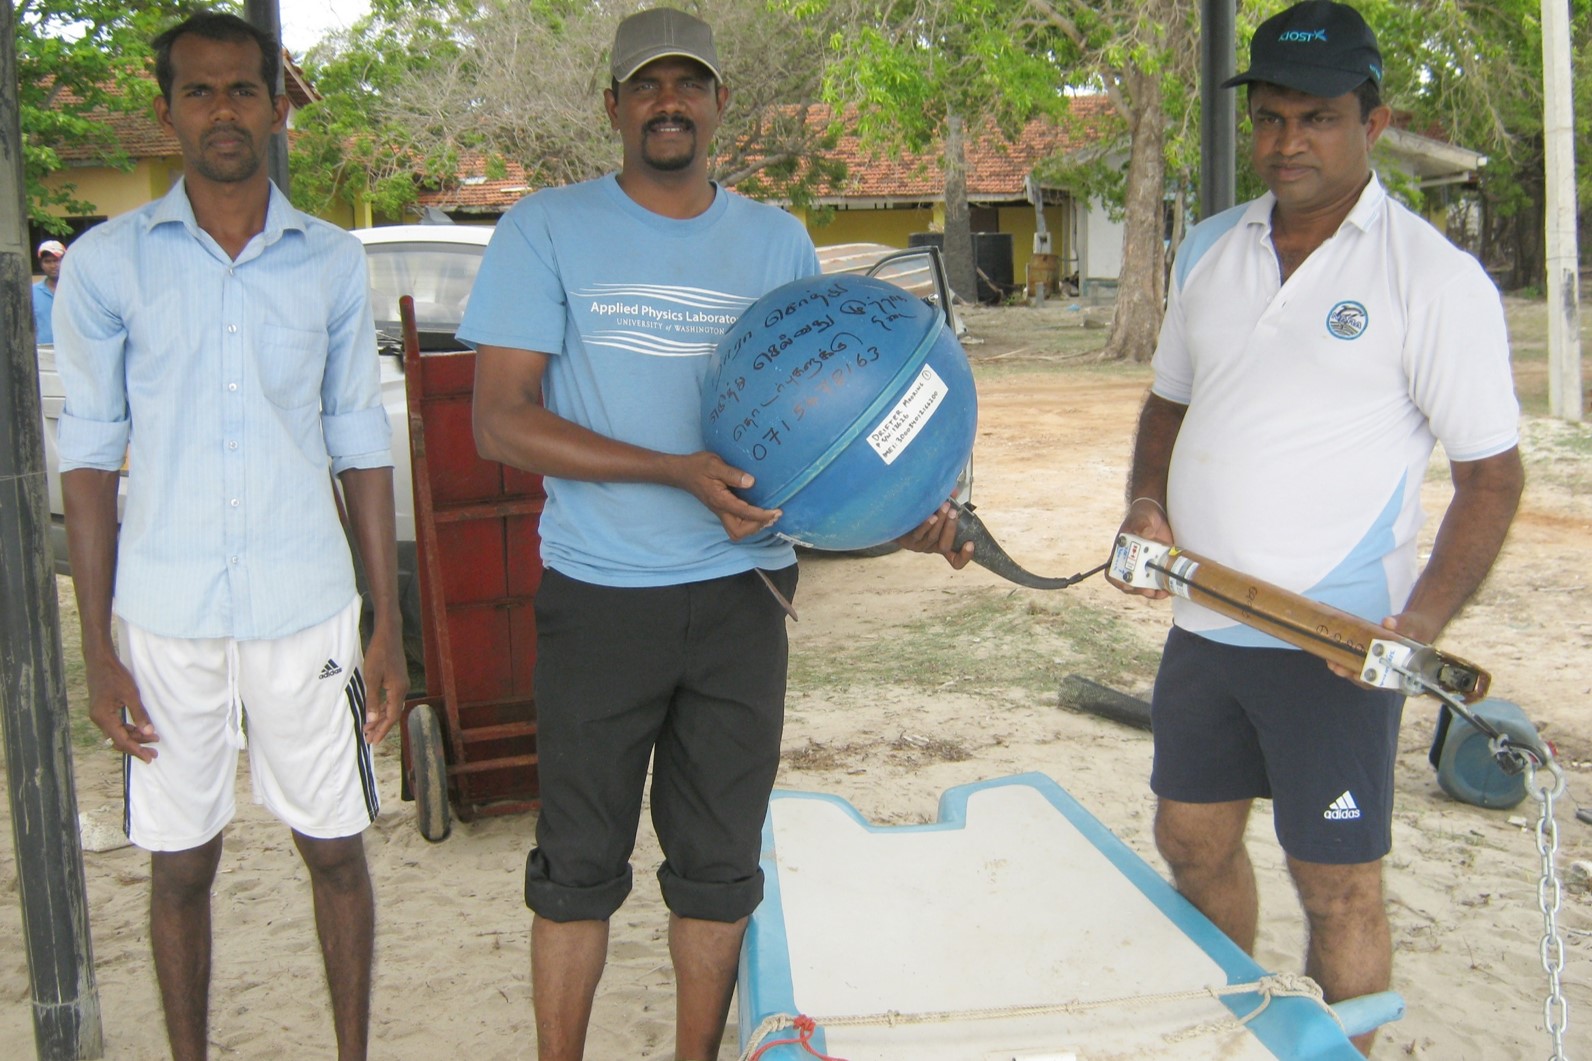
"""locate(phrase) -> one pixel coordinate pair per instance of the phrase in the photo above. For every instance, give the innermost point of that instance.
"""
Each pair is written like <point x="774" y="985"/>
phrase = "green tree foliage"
<point x="420" y="85"/>
<point x="76" y="60"/>
<point x="1142" y="54"/>
<point x="1470" y="72"/>
<point x="920" y="73"/>
<point x="349" y="147"/>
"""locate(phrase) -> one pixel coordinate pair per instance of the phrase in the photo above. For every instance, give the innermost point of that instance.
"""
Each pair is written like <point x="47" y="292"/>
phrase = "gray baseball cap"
<point x="660" y="32"/>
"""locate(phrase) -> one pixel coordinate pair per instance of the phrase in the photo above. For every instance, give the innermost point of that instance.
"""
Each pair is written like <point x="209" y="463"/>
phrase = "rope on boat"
<point x="1275" y="985"/>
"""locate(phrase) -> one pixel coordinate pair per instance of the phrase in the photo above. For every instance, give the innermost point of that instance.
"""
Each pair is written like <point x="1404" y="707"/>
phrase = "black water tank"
<point x="992" y="253"/>
<point x="992" y="256"/>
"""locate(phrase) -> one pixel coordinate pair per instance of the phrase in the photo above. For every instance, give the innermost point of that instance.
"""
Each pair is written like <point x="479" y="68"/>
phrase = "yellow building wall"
<point x="887" y="226"/>
<point x="115" y="192"/>
<point x="1022" y="224"/>
<point x="894" y="226"/>
<point x="343" y="215"/>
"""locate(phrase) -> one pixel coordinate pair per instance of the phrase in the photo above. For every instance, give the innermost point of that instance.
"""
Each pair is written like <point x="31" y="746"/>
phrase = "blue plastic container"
<point x="1466" y="769"/>
<point x="850" y="402"/>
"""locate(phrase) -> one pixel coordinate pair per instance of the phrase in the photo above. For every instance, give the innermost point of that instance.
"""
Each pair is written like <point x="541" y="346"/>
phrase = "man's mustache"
<point x="236" y="131"/>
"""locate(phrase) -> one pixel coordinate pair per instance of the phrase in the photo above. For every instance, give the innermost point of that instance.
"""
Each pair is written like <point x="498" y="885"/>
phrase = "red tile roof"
<point x="474" y="192"/>
<point x="141" y="136"/>
<point x="996" y="166"/>
<point x="136" y="132"/>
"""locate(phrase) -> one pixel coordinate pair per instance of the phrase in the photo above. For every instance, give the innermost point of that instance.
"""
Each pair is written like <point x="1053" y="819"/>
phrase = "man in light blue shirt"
<point x="220" y="342"/>
<point x="51" y="251"/>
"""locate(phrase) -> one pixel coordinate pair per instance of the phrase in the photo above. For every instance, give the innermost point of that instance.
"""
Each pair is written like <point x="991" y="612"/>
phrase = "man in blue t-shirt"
<point x="660" y="632"/>
<point x="51" y="251"/>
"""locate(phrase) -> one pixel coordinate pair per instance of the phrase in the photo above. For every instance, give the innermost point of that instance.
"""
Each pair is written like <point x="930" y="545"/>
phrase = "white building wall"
<point x="1099" y="246"/>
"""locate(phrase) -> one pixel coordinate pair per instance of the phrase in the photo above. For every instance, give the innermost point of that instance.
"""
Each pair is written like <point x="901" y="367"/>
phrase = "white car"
<point x="436" y="264"/>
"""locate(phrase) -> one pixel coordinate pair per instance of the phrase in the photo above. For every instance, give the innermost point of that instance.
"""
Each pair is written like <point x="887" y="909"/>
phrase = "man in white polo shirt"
<point x="1317" y="341"/>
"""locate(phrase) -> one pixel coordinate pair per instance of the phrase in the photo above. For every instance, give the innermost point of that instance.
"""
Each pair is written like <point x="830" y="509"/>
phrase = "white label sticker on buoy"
<point x="902" y="424"/>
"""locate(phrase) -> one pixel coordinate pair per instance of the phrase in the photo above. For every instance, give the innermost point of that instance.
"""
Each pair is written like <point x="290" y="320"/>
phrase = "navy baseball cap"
<point x="1318" y="47"/>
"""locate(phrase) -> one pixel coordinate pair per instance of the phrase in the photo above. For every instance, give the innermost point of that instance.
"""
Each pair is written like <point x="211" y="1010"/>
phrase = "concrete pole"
<point x="266" y="15"/>
<point x="1218" y="114"/>
<point x="66" y="1012"/>
<point x="1565" y="399"/>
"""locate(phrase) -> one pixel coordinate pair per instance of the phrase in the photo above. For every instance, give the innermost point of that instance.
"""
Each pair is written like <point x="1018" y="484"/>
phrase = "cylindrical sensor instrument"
<point x="1380" y="656"/>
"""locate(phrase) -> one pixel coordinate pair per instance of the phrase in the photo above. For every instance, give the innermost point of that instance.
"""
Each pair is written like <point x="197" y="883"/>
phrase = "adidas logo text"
<point x="330" y="670"/>
<point x="1343" y="808"/>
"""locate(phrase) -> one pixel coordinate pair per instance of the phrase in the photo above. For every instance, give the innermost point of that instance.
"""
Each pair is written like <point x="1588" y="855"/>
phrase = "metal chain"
<point x="1515" y="756"/>
<point x="1555" y="1010"/>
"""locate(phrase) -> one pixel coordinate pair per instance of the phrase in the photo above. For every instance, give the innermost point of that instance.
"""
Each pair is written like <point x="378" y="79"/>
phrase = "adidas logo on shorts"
<point x="1343" y="808"/>
<point x="331" y="670"/>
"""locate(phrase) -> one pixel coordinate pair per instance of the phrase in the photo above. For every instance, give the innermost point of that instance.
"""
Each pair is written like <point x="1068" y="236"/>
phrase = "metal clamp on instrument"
<point x="1131" y="560"/>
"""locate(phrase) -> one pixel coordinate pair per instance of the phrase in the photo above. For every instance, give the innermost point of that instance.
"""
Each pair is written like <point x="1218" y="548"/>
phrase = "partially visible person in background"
<point x="51" y="251"/>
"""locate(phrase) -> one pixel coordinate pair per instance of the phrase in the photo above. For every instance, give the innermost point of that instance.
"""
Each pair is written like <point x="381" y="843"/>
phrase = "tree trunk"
<point x="1141" y="287"/>
<point x="1531" y="231"/>
<point x="959" y="269"/>
<point x="1179" y="230"/>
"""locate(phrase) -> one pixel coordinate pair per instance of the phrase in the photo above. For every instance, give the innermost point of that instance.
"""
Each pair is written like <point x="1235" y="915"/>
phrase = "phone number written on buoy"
<point x="819" y="376"/>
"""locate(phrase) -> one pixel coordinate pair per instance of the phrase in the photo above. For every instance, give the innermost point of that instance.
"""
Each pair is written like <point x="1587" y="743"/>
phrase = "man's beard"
<point x="239" y="166"/>
<point x="673" y="162"/>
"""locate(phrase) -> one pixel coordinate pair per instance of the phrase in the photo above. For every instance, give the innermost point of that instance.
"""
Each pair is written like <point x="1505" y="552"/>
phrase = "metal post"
<point x="1218" y="116"/>
<point x="66" y="1013"/>
<point x="266" y="15"/>
<point x="1563" y="273"/>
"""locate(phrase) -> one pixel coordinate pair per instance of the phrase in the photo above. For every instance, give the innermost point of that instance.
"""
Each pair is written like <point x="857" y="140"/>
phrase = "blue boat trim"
<point x="1290" y="1027"/>
<point x="1367" y="1013"/>
<point x="765" y="954"/>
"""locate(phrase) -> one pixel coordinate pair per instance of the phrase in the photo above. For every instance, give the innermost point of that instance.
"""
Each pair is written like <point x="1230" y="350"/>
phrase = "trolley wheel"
<point x="429" y="768"/>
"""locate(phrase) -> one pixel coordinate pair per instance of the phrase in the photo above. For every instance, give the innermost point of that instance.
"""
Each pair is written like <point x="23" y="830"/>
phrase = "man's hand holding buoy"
<point x="937" y="534"/>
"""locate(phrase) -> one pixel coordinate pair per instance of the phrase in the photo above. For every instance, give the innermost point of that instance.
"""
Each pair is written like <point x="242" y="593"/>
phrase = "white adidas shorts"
<point x="301" y="699"/>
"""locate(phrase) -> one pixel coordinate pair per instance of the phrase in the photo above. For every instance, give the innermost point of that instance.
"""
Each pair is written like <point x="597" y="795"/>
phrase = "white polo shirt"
<point x="1313" y="405"/>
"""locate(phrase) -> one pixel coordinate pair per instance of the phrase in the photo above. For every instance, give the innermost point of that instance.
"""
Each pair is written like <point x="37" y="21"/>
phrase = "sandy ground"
<point x="452" y="977"/>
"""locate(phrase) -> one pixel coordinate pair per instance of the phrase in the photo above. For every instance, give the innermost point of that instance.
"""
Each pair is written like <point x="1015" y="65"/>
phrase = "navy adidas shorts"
<point x="1233" y="723"/>
<point x="689" y="677"/>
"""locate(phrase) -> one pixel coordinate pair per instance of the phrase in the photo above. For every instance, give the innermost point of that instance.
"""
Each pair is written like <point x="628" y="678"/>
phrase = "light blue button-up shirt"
<point x="240" y="385"/>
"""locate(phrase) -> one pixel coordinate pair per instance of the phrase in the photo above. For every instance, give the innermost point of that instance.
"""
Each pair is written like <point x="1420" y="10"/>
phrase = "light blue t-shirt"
<point x="43" y="310"/>
<point x="630" y="306"/>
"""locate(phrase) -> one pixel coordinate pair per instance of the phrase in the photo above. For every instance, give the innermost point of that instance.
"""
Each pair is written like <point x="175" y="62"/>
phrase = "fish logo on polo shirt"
<point x="1347" y="320"/>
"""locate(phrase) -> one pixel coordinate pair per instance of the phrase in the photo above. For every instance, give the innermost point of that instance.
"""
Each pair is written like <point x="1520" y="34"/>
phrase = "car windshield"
<point x="438" y="275"/>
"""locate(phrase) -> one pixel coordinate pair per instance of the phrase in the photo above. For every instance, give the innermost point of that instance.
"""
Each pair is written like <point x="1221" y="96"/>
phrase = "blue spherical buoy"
<point x="850" y="402"/>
